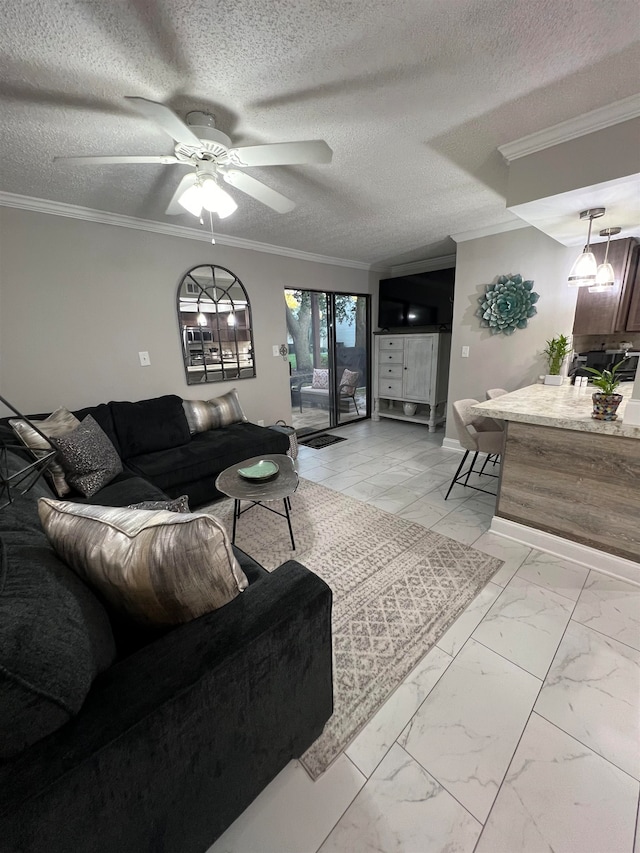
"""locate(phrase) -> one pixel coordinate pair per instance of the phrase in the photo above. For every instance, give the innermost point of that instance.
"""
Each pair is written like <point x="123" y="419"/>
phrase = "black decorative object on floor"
<point x="320" y="441"/>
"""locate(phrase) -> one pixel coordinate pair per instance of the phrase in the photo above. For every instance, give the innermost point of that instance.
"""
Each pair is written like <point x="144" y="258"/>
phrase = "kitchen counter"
<point x="560" y="406"/>
<point x="565" y="473"/>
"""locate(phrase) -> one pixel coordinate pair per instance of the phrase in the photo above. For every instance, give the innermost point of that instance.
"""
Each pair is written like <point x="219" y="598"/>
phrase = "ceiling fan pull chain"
<point x="211" y="225"/>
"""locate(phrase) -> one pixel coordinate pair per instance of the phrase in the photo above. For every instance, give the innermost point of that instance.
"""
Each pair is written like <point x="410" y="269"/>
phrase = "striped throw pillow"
<point x="212" y="414"/>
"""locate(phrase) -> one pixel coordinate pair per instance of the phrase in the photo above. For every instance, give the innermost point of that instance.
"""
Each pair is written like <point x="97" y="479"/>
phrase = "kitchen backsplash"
<point x="584" y="343"/>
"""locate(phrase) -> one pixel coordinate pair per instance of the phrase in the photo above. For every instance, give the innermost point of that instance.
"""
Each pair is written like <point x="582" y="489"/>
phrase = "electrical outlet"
<point x="275" y="349"/>
<point x="145" y="361"/>
<point x="465" y="352"/>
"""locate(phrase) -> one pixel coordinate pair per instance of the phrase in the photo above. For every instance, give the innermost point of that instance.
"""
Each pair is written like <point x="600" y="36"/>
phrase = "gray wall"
<point x="500" y="361"/>
<point x="79" y="300"/>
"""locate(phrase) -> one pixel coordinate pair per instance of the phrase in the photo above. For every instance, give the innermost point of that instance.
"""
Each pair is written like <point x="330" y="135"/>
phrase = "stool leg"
<point x="473" y="462"/>
<point x="455" y="476"/>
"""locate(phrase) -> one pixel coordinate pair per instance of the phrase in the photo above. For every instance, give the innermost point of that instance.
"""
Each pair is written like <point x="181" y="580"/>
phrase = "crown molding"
<point x="619" y="111"/>
<point x="441" y="263"/>
<point x="88" y="214"/>
<point x="490" y="230"/>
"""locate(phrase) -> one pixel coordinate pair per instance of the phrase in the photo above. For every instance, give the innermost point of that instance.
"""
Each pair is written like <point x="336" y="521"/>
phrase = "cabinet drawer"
<point x="390" y="388"/>
<point x="389" y="371"/>
<point x="388" y="356"/>
<point x="392" y="343"/>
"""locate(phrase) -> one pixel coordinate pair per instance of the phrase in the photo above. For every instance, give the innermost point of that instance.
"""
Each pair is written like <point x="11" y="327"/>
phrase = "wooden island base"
<point x="584" y="486"/>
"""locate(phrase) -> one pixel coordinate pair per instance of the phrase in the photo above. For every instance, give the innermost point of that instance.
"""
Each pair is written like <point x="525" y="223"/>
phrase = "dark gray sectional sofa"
<point x="119" y="738"/>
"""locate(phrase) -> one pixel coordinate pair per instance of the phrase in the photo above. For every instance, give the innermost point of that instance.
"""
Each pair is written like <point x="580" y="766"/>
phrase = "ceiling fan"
<point x="211" y="156"/>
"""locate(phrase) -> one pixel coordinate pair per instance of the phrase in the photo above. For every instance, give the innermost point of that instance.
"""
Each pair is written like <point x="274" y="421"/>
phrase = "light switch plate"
<point x="465" y="352"/>
<point x="275" y="350"/>
<point x="145" y="361"/>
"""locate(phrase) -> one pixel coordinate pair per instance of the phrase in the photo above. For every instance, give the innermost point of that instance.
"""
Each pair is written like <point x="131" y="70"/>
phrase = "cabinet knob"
<point x="406" y="368"/>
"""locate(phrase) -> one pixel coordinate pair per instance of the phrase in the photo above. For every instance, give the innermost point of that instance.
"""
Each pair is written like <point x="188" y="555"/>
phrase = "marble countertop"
<point x="563" y="407"/>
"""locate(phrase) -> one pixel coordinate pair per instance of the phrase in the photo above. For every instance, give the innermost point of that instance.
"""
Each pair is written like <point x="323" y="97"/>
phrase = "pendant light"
<point x="583" y="272"/>
<point x="605" y="278"/>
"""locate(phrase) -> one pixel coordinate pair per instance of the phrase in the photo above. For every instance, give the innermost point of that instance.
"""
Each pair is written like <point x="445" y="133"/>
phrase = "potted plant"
<point x="605" y="401"/>
<point x="556" y="352"/>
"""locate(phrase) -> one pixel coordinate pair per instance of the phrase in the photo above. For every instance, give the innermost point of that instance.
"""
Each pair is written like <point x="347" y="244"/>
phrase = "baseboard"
<point x="452" y="444"/>
<point x="608" y="564"/>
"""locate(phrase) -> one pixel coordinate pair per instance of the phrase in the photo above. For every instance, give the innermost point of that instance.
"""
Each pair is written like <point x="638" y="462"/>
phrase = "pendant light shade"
<point x="585" y="267"/>
<point x="605" y="277"/>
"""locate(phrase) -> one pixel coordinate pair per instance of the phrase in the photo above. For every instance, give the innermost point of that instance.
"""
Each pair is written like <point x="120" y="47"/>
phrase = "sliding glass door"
<point x="328" y="357"/>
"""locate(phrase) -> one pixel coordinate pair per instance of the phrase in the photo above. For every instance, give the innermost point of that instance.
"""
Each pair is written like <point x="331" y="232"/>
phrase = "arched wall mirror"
<point x="214" y="318"/>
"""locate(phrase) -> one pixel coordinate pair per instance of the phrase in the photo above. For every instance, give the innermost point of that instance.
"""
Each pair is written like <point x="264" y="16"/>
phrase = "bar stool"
<point x="477" y="435"/>
<point x="492" y="393"/>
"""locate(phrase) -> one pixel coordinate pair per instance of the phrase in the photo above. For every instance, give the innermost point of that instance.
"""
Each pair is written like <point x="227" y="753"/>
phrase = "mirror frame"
<point x="204" y="341"/>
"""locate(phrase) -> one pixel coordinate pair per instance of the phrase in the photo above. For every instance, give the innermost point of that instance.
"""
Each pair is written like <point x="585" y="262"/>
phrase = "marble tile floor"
<point x="518" y="731"/>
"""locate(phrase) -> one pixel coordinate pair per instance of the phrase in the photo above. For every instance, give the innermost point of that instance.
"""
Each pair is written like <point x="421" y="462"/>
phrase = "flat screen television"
<point x="423" y="299"/>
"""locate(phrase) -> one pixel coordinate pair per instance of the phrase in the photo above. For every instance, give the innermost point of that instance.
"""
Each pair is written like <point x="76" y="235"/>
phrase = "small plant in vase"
<point x="556" y="352"/>
<point x="605" y="401"/>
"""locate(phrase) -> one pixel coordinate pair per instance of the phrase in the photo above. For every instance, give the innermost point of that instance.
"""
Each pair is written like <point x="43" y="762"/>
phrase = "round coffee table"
<point x="230" y="483"/>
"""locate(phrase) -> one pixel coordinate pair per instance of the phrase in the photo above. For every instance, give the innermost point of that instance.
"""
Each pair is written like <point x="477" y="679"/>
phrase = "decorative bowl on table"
<point x="260" y="472"/>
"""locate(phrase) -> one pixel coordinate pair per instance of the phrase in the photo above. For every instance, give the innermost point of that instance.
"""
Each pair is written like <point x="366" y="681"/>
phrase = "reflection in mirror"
<point x="214" y="318"/>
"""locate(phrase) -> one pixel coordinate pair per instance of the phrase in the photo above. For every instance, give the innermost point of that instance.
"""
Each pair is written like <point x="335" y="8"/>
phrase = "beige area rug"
<point x="396" y="588"/>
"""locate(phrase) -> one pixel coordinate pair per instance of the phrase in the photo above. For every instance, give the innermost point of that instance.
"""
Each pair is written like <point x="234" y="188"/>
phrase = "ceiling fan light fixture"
<point x="584" y="269"/>
<point x="217" y="200"/>
<point x="191" y="200"/>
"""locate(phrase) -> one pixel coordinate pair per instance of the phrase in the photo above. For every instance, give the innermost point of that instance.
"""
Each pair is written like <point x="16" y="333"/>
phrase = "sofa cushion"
<point x="58" y="423"/>
<point x="207" y="454"/>
<point x="211" y="414"/>
<point x="125" y="489"/>
<point x="55" y="636"/>
<point x="89" y="459"/>
<point x="150" y="425"/>
<point x="161" y="568"/>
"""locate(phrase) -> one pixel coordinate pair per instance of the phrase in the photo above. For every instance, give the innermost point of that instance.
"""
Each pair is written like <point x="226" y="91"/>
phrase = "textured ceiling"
<point x="413" y="96"/>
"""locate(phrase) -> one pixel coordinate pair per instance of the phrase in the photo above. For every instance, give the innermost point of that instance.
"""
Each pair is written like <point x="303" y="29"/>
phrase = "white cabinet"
<point x="412" y="368"/>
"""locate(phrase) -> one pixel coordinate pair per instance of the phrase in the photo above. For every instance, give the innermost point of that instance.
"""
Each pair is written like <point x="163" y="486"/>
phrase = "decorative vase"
<point x="553" y="379"/>
<point x="409" y="409"/>
<point x="605" y="406"/>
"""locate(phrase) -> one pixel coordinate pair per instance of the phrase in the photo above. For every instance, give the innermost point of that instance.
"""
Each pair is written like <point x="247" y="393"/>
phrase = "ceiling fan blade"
<point x="174" y="207"/>
<point x="256" y="189"/>
<point x="281" y="154"/>
<point x="166" y="119"/>
<point x="119" y="160"/>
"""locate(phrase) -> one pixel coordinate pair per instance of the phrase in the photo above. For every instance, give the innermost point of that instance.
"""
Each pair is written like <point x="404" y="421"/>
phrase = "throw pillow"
<point x="161" y="568"/>
<point x="203" y="415"/>
<point x="320" y="378"/>
<point x="58" y="423"/>
<point x="88" y="457"/>
<point x="180" y="504"/>
<point x="349" y="380"/>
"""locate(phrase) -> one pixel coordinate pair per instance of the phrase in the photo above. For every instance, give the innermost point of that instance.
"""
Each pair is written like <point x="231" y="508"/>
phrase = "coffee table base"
<point x="237" y="512"/>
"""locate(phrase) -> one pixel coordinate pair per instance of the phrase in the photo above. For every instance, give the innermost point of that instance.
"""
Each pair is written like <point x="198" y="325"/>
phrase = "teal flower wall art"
<point x="507" y="305"/>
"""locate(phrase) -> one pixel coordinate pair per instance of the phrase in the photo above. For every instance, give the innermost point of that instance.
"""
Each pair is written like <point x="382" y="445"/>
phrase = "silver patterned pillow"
<point x="88" y="457"/>
<point x="58" y="423"/>
<point x="161" y="568"/>
<point x="211" y="414"/>
<point x="180" y="504"/>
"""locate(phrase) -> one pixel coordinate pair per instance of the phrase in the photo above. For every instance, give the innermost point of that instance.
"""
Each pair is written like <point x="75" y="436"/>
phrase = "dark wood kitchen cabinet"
<point x="633" y="319"/>
<point x="609" y="312"/>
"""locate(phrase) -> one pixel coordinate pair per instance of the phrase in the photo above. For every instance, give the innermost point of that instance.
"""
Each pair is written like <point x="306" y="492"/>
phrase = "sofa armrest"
<point x="175" y="741"/>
